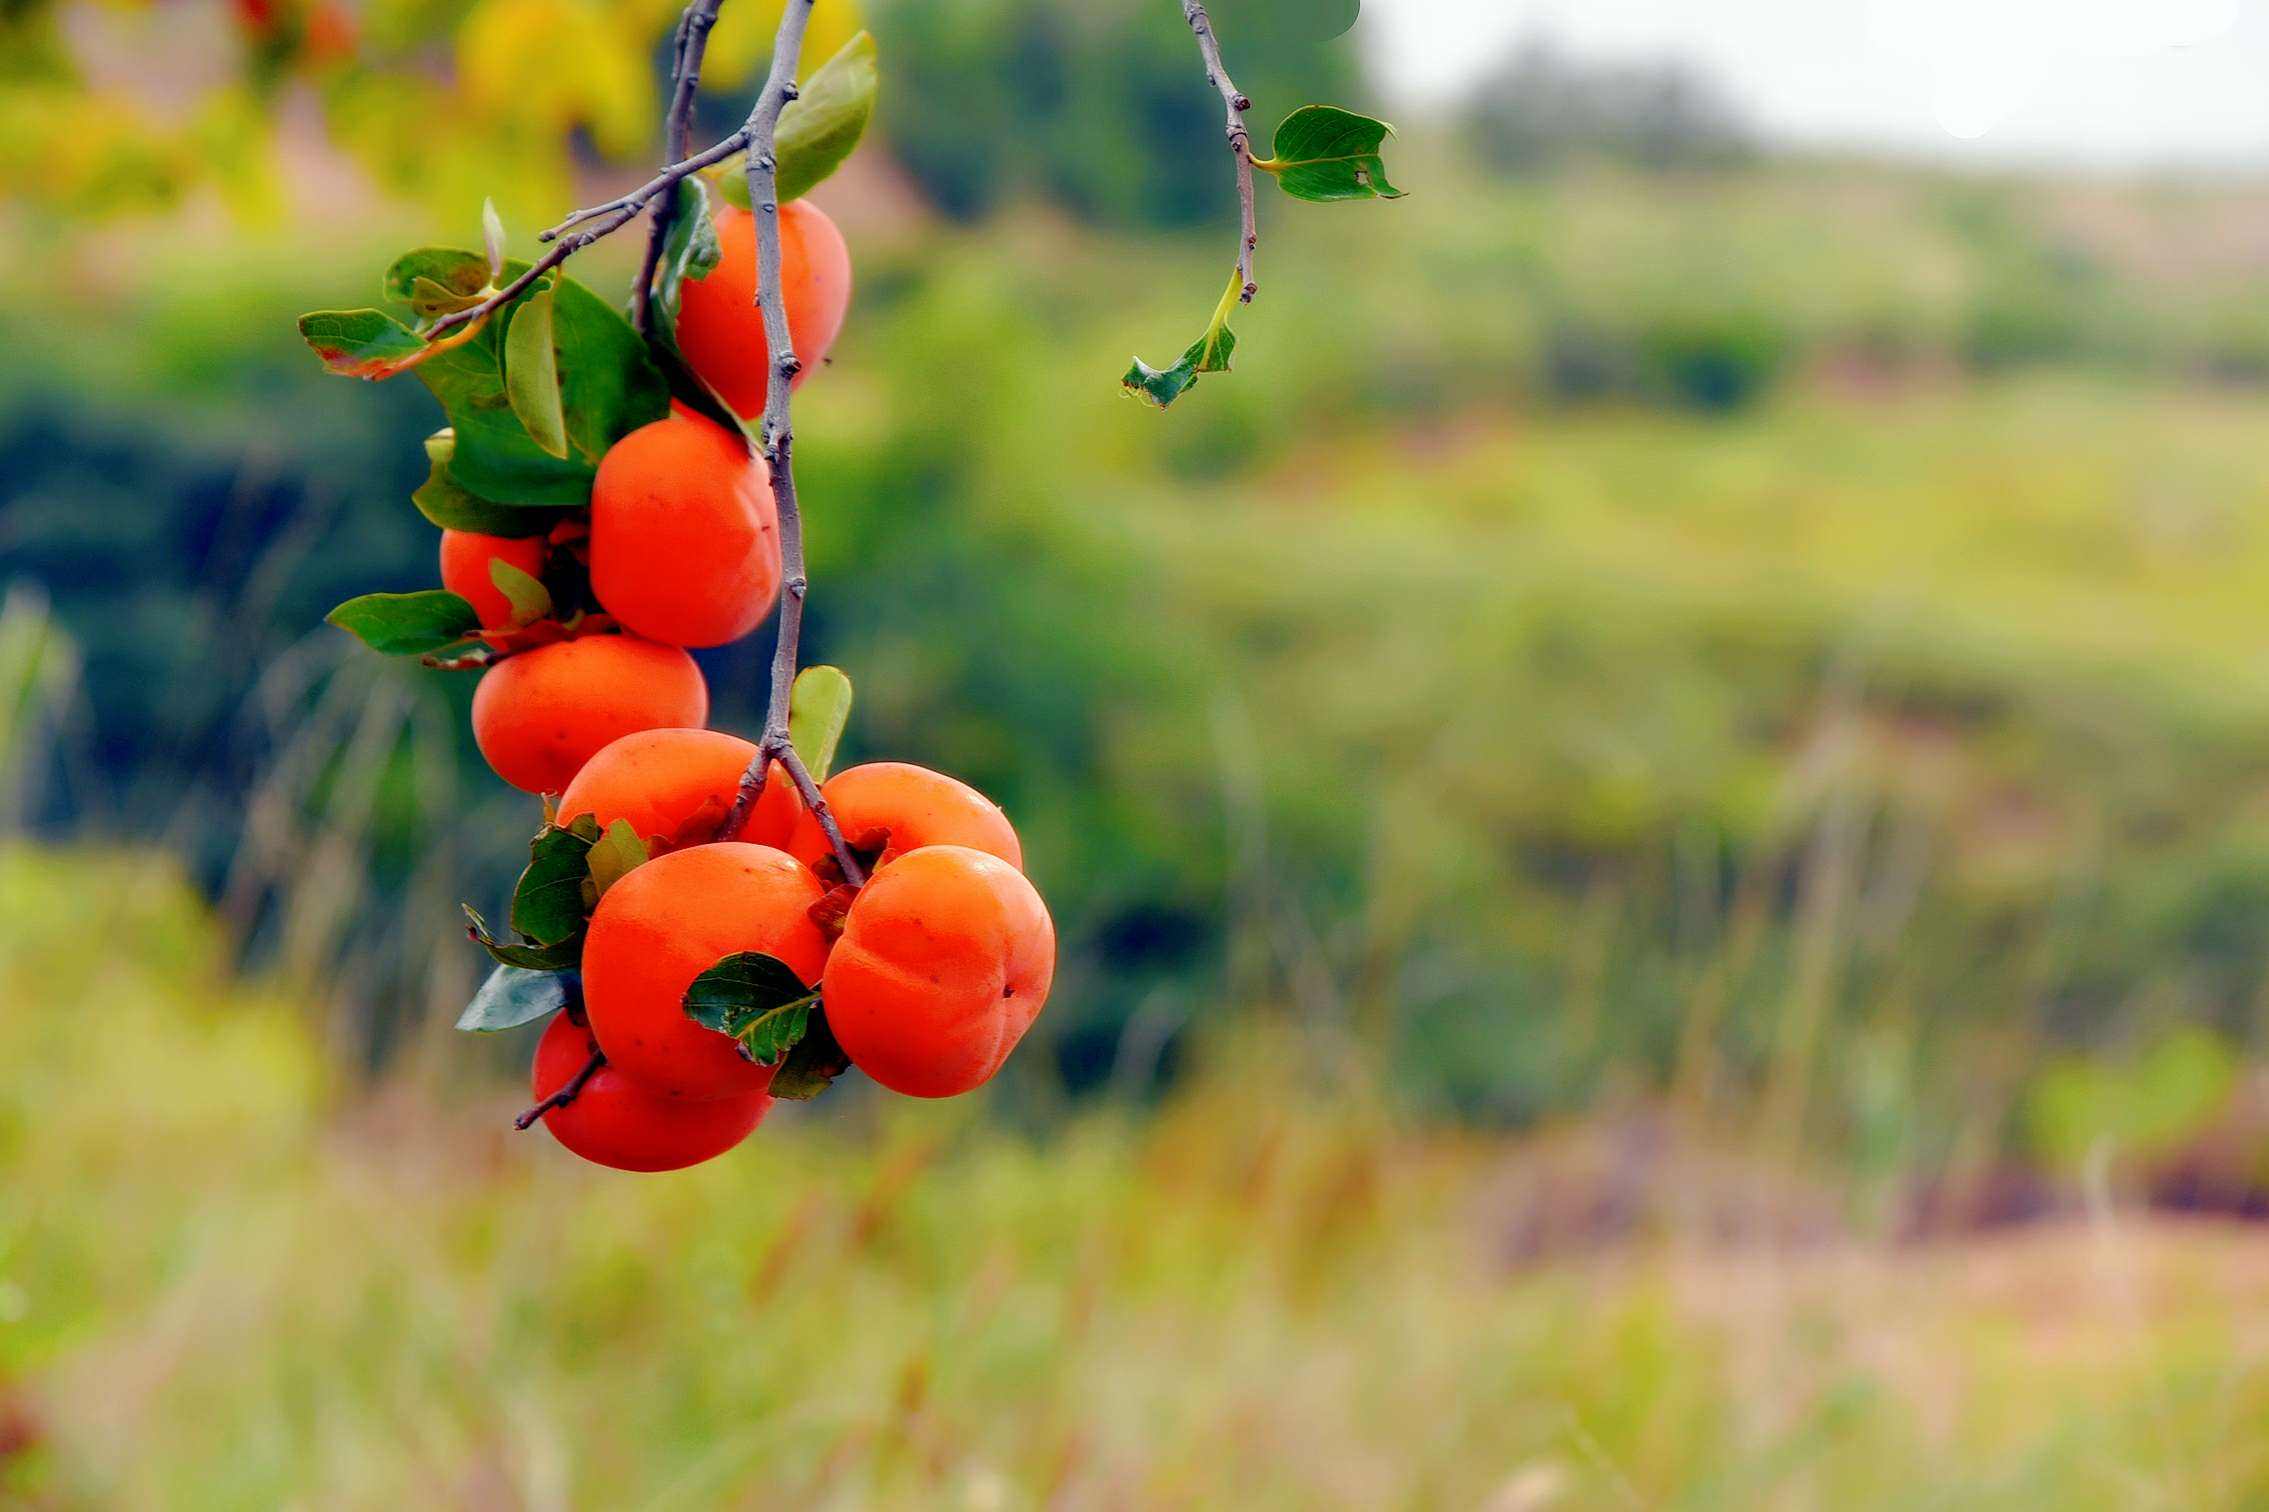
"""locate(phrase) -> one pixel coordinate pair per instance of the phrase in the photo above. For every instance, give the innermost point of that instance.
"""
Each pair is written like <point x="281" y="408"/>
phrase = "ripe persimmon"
<point x="539" y="715"/>
<point x="616" y="1120"/>
<point x="664" y="780"/>
<point x="465" y="555"/>
<point x="720" y="328"/>
<point x="665" y="923"/>
<point x="685" y="540"/>
<point x="945" y="960"/>
<point x="887" y="808"/>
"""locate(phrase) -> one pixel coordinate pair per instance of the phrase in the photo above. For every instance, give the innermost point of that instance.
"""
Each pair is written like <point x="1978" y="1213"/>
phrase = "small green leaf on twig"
<point x="758" y="1000"/>
<point x="452" y="506"/>
<point x="492" y="239"/>
<point x="821" y="127"/>
<point x="512" y="996"/>
<point x="529" y="598"/>
<point x="819" y="707"/>
<point x="614" y="856"/>
<point x="1210" y="353"/>
<point x="531" y="371"/>
<point x="407" y="624"/>
<point x="1323" y="153"/>
<point x="812" y="1065"/>
<point x="362" y="343"/>
<point x="562" y="956"/>
<point x="547" y="902"/>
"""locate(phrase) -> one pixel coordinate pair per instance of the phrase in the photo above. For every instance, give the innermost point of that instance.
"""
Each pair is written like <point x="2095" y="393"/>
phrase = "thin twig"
<point x="778" y="439"/>
<point x="685" y="75"/>
<point x="1240" y="141"/>
<point x="603" y="220"/>
<point x="565" y="1095"/>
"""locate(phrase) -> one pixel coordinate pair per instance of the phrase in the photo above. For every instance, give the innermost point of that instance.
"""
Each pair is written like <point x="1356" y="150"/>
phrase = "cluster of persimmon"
<point x="680" y="547"/>
<point x="921" y="952"/>
<point x="928" y="974"/>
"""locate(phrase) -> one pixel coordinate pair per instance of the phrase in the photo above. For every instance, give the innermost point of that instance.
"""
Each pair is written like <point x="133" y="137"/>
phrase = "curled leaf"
<point x="1323" y="153"/>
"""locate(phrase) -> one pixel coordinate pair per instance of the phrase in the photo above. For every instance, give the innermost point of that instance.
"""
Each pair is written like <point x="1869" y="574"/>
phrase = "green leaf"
<point x="362" y="343"/>
<point x="452" y="506"/>
<point x="407" y="624"/>
<point x="614" y="856"/>
<point x="1210" y="353"/>
<point x="563" y="956"/>
<point x="819" y="707"/>
<point x="812" y="1065"/>
<point x="529" y="598"/>
<point x="1323" y="153"/>
<point x="492" y="238"/>
<point x="512" y="996"/>
<point x="758" y="1000"/>
<point x="451" y="279"/>
<point x="608" y="384"/>
<point x="547" y="902"/>
<point x="820" y="128"/>
<point x="531" y="370"/>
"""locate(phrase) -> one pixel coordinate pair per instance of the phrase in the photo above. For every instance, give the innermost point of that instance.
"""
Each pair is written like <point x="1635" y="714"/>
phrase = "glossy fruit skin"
<point x="539" y="715"/>
<point x="465" y="556"/>
<point x="685" y="539"/>
<point x="945" y="960"/>
<point x="660" y="780"/>
<point x="893" y="807"/>
<point x="720" y="329"/>
<point x="617" y="1121"/>
<point x="669" y="921"/>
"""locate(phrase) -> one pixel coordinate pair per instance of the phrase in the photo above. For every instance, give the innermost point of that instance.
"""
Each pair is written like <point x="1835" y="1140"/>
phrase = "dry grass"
<point x="218" y="1290"/>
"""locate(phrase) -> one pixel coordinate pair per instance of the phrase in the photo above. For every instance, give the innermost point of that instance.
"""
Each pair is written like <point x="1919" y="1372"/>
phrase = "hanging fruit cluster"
<point x="710" y="922"/>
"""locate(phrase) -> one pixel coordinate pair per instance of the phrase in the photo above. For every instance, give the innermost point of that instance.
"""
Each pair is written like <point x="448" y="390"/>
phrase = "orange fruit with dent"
<point x="665" y="923"/>
<point x="616" y="1120"/>
<point x="720" y="328"/>
<point x="945" y="960"/>
<point x="540" y="715"/>
<point x="663" y="781"/>
<point x="685" y="539"/>
<point x="887" y="808"/>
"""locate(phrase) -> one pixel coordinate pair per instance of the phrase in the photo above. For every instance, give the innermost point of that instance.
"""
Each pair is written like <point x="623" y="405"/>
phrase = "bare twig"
<point x="565" y="1095"/>
<point x="685" y="82"/>
<point x="597" y="221"/>
<point x="778" y="438"/>
<point x="1240" y="141"/>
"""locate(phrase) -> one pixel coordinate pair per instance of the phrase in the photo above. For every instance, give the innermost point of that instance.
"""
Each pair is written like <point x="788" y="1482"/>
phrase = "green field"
<point x="227" y="1280"/>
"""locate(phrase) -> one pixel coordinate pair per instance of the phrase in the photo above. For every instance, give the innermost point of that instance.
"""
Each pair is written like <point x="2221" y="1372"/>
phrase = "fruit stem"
<point x="565" y="1095"/>
<point x="777" y="439"/>
<point x="1240" y="142"/>
<point x="677" y="129"/>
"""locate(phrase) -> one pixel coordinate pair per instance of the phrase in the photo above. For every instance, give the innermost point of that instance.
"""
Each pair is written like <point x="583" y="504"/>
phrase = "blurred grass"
<point x="225" y="1280"/>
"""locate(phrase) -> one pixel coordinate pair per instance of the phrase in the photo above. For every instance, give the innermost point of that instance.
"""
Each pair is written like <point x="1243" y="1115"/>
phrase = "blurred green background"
<point x="1656" y="810"/>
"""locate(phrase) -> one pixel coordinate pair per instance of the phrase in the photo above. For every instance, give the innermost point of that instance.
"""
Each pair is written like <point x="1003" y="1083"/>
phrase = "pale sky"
<point x="2098" y="82"/>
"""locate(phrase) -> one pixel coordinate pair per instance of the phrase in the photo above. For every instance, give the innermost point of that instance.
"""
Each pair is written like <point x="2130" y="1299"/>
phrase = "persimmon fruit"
<point x="665" y="923"/>
<point x="887" y="808"/>
<point x="661" y="781"/>
<point x="945" y="960"/>
<point x="539" y="715"/>
<point x="616" y="1120"/>
<point x="465" y="558"/>
<point x="720" y="328"/>
<point x="685" y="539"/>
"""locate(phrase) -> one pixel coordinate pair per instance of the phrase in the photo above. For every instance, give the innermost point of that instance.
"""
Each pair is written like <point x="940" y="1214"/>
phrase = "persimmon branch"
<point x="596" y="222"/>
<point x="677" y="130"/>
<point x="1240" y="142"/>
<point x="568" y="1092"/>
<point x="777" y="439"/>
